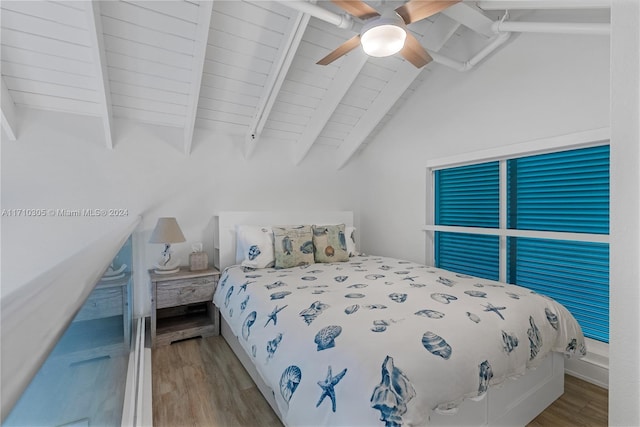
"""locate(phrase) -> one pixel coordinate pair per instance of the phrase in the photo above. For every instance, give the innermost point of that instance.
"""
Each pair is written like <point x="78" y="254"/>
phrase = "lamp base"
<point x="161" y="271"/>
<point x="166" y="268"/>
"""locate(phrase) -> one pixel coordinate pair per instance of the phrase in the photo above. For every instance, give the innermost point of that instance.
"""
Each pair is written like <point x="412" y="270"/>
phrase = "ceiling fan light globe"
<point x="383" y="40"/>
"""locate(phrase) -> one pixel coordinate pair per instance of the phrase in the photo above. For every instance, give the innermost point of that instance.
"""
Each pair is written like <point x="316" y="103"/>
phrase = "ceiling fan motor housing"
<point x="385" y="35"/>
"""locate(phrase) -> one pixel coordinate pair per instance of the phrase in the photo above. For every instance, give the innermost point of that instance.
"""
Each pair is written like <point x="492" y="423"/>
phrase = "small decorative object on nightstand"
<point x="198" y="259"/>
<point x="182" y="305"/>
<point x="167" y="231"/>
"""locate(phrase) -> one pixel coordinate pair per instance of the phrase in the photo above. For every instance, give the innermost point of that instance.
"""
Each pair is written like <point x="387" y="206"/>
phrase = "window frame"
<point x="586" y="139"/>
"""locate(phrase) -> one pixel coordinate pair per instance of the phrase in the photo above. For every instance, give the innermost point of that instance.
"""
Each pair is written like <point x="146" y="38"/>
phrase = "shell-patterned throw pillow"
<point x="255" y="246"/>
<point x="293" y="246"/>
<point x="330" y="243"/>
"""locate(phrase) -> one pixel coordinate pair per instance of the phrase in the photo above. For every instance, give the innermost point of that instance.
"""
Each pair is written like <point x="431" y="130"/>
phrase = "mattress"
<point x="381" y="341"/>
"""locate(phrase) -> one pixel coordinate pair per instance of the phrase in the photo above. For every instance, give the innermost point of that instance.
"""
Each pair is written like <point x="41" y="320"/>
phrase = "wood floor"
<point x="582" y="404"/>
<point x="201" y="383"/>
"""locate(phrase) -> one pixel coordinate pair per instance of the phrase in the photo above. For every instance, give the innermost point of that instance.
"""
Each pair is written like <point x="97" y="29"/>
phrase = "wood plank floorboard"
<point x="200" y="382"/>
<point x="582" y="404"/>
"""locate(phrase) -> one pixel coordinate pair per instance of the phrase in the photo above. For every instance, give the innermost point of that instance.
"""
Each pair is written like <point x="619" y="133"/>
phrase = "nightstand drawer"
<point x="186" y="291"/>
<point x="102" y="303"/>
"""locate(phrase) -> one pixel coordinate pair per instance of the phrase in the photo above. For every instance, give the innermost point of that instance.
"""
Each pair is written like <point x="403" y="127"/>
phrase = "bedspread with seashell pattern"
<point x="381" y="341"/>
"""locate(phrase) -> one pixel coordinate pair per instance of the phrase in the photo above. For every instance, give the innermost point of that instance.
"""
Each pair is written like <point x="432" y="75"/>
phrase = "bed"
<point x="380" y="341"/>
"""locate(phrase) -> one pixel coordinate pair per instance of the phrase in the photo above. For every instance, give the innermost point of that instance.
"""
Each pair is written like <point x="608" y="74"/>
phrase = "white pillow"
<point x="254" y="246"/>
<point x="351" y="241"/>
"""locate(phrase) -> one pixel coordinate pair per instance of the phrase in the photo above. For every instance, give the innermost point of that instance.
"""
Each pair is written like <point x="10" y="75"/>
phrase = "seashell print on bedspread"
<point x="372" y="346"/>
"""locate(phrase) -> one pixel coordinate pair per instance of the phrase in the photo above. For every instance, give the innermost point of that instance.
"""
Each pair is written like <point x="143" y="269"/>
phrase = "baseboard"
<point x="589" y="372"/>
<point x="594" y="367"/>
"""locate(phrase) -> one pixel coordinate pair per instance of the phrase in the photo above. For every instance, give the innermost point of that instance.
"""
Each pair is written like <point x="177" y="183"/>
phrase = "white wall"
<point x="536" y="86"/>
<point x="60" y="161"/>
<point x="624" y="373"/>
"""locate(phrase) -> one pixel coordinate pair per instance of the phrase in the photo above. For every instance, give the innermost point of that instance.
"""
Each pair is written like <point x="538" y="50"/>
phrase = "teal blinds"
<point x="576" y="274"/>
<point x="566" y="191"/>
<point x="468" y="196"/>
<point x="473" y="254"/>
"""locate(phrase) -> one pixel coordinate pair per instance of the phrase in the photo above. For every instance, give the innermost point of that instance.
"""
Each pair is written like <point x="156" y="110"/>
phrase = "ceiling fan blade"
<point x="416" y="10"/>
<point x="414" y="52"/>
<point x="343" y="49"/>
<point x="357" y="8"/>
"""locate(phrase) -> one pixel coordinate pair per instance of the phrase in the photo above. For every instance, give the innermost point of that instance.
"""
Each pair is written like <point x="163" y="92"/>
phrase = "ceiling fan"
<point x="386" y="34"/>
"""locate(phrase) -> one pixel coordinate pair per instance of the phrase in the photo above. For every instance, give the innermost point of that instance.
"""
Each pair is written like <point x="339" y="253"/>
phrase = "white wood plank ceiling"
<point x="242" y="68"/>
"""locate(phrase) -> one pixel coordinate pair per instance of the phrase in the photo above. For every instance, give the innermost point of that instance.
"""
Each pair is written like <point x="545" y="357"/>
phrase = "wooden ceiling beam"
<point x="350" y="67"/>
<point x="380" y="107"/>
<point x="197" y="68"/>
<point x="278" y="73"/>
<point x="96" y="35"/>
<point x="8" y="113"/>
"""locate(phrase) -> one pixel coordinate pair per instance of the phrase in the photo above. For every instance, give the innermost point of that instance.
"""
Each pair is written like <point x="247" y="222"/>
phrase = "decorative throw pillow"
<point x="293" y="246"/>
<point x="254" y="246"/>
<point x="350" y="232"/>
<point x="330" y="243"/>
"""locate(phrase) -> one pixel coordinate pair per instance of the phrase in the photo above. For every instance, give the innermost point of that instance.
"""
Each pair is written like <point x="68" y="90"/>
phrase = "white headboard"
<point x="225" y="238"/>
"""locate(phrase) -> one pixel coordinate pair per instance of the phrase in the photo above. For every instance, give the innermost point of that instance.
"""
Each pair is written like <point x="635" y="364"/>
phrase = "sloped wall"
<point x="60" y="162"/>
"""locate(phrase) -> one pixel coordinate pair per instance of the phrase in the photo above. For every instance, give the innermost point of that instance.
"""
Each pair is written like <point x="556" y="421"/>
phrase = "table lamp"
<point x="167" y="231"/>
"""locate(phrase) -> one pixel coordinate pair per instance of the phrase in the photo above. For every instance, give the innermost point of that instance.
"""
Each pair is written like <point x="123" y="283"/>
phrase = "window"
<point x="540" y="221"/>
<point x="468" y="196"/>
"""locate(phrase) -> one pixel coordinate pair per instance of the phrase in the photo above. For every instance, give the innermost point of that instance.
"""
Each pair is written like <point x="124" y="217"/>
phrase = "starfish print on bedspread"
<point x="274" y="315"/>
<point x="491" y="307"/>
<point x="328" y="387"/>
<point x="244" y="286"/>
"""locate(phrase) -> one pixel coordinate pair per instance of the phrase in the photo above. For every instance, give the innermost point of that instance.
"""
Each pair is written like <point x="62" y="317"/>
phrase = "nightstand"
<point x="182" y="306"/>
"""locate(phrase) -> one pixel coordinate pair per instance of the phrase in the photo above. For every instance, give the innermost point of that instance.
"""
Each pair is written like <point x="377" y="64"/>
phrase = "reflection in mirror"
<point x="82" y="382"/>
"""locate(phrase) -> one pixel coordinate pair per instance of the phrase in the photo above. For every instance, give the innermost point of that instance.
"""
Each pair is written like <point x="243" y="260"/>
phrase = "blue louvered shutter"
<point x="564" y="191"/>
<point x="473" y="254"/>
<point x="576" y="274"/>
<point x="468" y="196"/>
<point x="569" y="192"/>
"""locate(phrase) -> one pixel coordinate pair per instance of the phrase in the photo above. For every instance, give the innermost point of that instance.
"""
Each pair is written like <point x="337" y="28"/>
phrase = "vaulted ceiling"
<point x="242" y="68"/>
